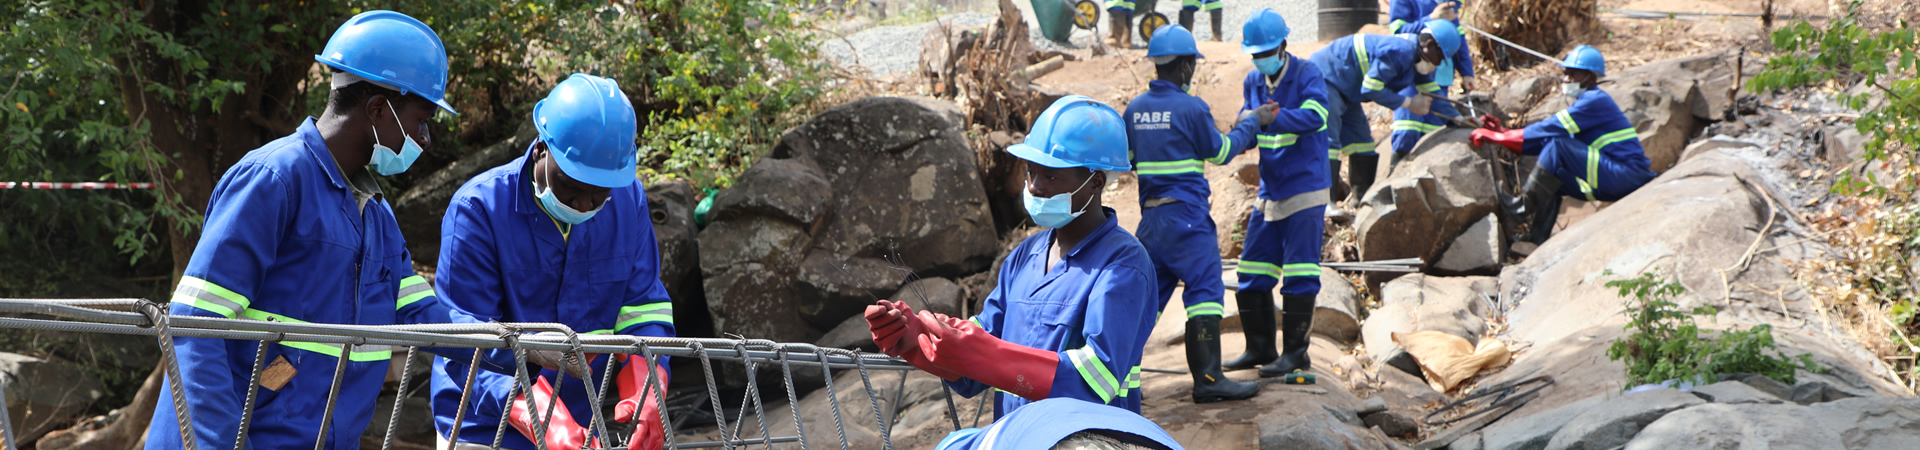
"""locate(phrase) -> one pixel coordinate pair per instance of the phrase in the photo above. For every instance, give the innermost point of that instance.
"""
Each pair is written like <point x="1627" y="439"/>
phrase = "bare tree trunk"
<point x="127" y="433"/>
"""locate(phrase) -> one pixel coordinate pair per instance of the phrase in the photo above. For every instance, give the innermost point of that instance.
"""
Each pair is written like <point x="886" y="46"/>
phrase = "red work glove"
<point x="562" y="431"/>
<point x="1511" y="139"/>
<point x="640" y="401"/>
<point x="1490" y="122"/>
<point x="965" y="349"/>
<point x="897" y="333"/>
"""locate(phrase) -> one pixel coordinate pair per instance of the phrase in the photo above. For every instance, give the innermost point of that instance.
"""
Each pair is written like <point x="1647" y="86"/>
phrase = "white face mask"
<point x="1572" y="90"/>
<point x="1424" y="67"/>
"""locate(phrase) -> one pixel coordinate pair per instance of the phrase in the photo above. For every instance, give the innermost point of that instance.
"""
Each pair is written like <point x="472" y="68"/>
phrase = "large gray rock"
<point x="1855" y="423"/>
<point x="939" y="295"/>
<point x="1533" y="431"/>
<point x="830" y="287"/>
<point x="1843" y="145"/>
<point x="1517" y="98"/>
<point x="782" y="188"/>
<point x="919" y="416"/>
<point x="1417" y="302"/>
<point x="1734" y="392"/>
<point x="1661" y="114"/>
<point x="43" y="394"/>
<point x="1477" y="251"/>
<point x="670" y="207"/>
<point x="1611" y="424"/>
<point x="1426" y="203"/>
<point x="852" y="334"/>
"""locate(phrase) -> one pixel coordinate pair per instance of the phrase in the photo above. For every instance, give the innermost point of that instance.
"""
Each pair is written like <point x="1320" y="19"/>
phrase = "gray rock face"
<point x="1855" y="423"/>
<point x="853" y="333"/>
<point x="1516" y="98"/>
<point x="1418" y="302"/>
<point x="786" y="189"/>
<point x="939" y="295"/>
<point x="43" y="394"/>
<point x="671" y="206"/>
<point x="1426" y="203"/>
<point x="1613" y="423"/>
<point x="1338" y="309"/>
<point x="1734" y="392"/>
<point x="830" y="288"/>
<point x="1477" y="251"/>
<point x="1533" y="431"/>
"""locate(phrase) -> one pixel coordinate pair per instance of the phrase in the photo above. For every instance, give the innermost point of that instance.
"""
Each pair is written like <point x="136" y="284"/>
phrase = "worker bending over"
<point x="1376" y="68"/>
<point x="1591" y="143"/>
<point x="1171" y="133"/>
<point x="1074" y="303"/>
<point x="559" y="235"/>
<point x="1411" y="17"/>
<point x="1284" y="231"/>
<point x="299" y="231"/>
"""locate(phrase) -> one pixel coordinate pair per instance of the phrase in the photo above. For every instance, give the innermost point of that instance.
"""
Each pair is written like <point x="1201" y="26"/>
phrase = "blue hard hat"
<point x="1446" y="34"/>
<point x="1264" y="31"/>
<point x="588" y="125"/>
<point x="1586" y="58"/>
<point x="956" y="438"/>
<point x="1172" y="40"/>
<point x="393" y="49"/>
<point x="1076" y="131"/>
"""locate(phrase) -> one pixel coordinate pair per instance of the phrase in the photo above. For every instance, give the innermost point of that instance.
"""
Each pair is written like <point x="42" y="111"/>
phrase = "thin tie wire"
<point x="793" y="398"/>
<point x="659" y="390"/>
<point x="886" y="439"/>
<point x="333" y="395"/>
<point x="253" y="391"/>
<point x="399" y="400"/>
<point x="893" y="409"/>
<point x="833" y="399"/>
<point x="158" y="316"/>
<point x="466" y="392"/>
<point x="759" y="408"/>
<point x="713" y="392"/>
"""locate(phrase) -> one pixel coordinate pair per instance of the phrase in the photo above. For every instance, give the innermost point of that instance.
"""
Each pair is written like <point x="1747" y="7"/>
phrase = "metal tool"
<point x="1511" y="44"/>
<point x="1298" y="377"/>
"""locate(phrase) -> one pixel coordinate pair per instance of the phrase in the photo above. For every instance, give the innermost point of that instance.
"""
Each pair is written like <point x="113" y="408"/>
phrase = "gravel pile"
<point x="891" y="49"/>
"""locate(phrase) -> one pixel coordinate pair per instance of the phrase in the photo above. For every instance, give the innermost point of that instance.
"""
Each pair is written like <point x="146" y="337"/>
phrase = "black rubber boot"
<point x="1186" y="19"/>
<point x="1333" y="171"/>
<point x="1213" y="18"/>
<point x="1365" y="168"/>
<point x="1203" y="361"/>
<point x="1539" y="203"/>
<point x="1256" y="319"/>
<point x="1296" y="325"/>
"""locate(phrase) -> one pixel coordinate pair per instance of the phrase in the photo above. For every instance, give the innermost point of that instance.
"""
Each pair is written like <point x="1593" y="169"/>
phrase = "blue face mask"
<point x="1056" y="211"/>
<point x="385" y="161"/>
<point x="559" y="210"/>
<point x="1269" y="65"/>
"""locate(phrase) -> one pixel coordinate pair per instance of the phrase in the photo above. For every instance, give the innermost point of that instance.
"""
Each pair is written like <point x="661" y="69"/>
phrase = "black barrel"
<point x="1340" y="18"/>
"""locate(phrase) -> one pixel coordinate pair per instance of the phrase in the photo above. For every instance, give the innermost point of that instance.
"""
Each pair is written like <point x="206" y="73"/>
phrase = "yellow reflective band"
<point x="1316" y="107"/>
<point x="1415" y="126"/>
<point x="209" y="297"/>
<point x="1226" y="143"/>
<point x="652" y="312"/>
<point x="1096" y="374"/>
<point x="976" y="322"/>
<point x="1133" y="379"/>
<point x="362" y="353"/>
<point x="1374" y="84"/>
<point x="412" y="289"/>
<point x="1430" y="87"/>
<point x="1394" y="26"/>
<point x="1355" y="149"/>
<point x="1275" y="141"/>
<point x="1592" y="183"/>
<point x="1213" y="6"/>
<point x="1258" y="268"/>
<point x="1193" y="3"/>
<point x="1206" y="309"/>
<point x="1566" y="121"/>
<point x="1360" y="50"/>
<point x="1119" y="3"/>
<point x="1301" y="270"/>
<point x="1333" y="153"/>
<point x="1169" y="167"/>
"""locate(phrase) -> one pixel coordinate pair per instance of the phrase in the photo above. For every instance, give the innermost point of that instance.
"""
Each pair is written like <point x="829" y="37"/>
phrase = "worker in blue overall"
<point x="1189" y="8"/>
<point x="1591" y="143"/>
<point x="1074" y="304"/>
<point x="299" y="231"/>
<point x="558" y="235"/>
<point x="1284" y="232"/>
<point x="1370" y="67"/>
<point x="1171" y="134"/>
<point x="1064" y="424"/>
<point x="1120" y="22"/>
<point x="1411" y="17"/>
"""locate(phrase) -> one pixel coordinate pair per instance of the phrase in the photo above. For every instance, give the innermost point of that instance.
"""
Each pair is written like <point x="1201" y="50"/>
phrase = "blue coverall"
<point x="1365" y="67"/>
<point x="1410" y="17"/>
<point x="503" y="258"/>
<point x="1045" y="423"/>
<point x="1293" y="182"/>
<point x="1095" y="308"/>
<point x="1593" y="148"/>
<point x="1171" y="133"/>
<point x="286" y="240"/>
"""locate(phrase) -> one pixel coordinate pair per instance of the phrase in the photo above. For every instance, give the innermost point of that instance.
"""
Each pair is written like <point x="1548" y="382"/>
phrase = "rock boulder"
<point x="44" y="394"/>
<point x="1418" y="302"/>
<point x="1426" y="203"/>
<point x="671" y="206"/>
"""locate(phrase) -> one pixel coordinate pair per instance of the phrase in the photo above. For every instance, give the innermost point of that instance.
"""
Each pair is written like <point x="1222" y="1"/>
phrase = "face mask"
<point x="1269" y="65"/>
<point x="1056" y="211"/>
<point x="1572" y="89"/>
<point x="559" y="210"/>
<point x="385" y="161"/>
<point x="1424" y="67"/>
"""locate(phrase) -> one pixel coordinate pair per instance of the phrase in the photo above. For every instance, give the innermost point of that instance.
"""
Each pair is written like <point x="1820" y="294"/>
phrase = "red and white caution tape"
<point x="46" y="185"/>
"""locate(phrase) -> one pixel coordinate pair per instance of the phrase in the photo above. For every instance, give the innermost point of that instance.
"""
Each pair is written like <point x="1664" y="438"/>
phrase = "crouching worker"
<point x="1074" y="304"/>
<point x="1590" y="143"/>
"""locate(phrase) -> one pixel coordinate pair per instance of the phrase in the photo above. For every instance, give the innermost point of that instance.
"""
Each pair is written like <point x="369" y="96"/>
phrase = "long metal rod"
<point x="1511" y="44"/>
<point x="6" y="423"/>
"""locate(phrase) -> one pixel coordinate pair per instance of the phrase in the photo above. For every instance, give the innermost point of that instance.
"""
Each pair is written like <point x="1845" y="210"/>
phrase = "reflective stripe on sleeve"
<point x="1226" y="144"/>
<point x="1096" y="374"/>
<point x="1394" y="26"/>
<point x="209" y="297"/>
<point x="652" y="312"/>
<point x="1566" y="121"/>
<point x="1374" y="84"/>
<point x="413" y="289"/>
<point x="1415" y="126"/>
<point x="1133" y="379"/>
<point x="1317" y="107"/>
<point x="1429" y="87"/>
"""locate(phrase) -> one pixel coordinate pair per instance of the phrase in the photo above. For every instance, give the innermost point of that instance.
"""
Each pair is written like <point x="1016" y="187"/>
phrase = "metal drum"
<point x="1339" y="18"/>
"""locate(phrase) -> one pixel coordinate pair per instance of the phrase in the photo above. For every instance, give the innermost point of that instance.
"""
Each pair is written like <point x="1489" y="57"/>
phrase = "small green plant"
<point x="1665" y="342"/>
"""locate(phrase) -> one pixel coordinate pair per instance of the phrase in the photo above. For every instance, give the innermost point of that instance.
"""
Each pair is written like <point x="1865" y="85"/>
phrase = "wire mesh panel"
<point x="856" y="385"/>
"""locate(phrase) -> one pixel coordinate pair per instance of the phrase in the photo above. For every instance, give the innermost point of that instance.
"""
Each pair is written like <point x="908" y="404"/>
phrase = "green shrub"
<point x="1665" y="343"/>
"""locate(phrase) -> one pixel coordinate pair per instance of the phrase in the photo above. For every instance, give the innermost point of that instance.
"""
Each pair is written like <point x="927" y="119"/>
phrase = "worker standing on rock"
<point x="1376" y="68"/>
<point x="1411" y="17"/>
<point x="1074" y="304"/>
<point x="1284" y="231"/>
<point x="1188" y="8"/>
<point x="558" y="235"/>
<point x="1591" y="143"/>
<point x="298" y="231"/>
<point x="1171" y="133"/>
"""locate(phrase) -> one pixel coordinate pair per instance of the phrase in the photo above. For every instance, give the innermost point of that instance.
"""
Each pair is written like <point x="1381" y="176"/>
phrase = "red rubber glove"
<point x="640" y="400"/>
<point x="1511" y="139"/>
<point x="897" y="333"/>
<point x="963" y="348"/>
<point x="562" y="431"/>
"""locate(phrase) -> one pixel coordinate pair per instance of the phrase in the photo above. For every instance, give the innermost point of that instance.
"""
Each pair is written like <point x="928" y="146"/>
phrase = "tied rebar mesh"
<point x="142" y="317"/>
